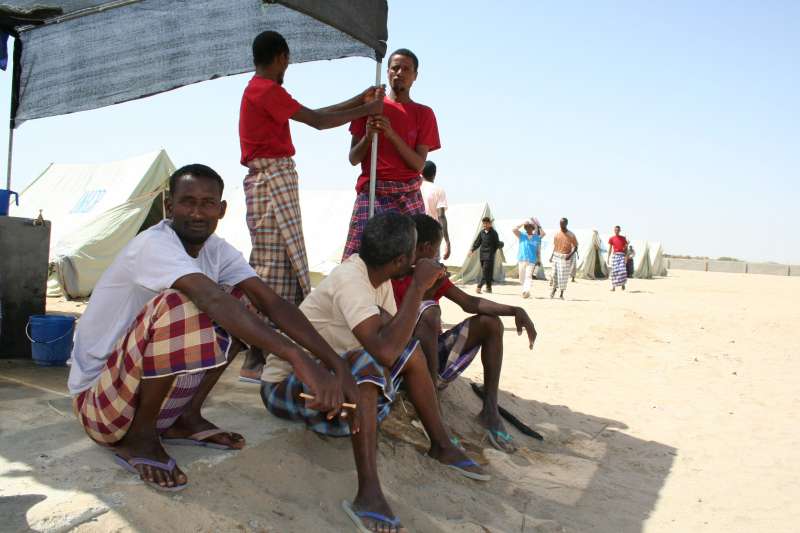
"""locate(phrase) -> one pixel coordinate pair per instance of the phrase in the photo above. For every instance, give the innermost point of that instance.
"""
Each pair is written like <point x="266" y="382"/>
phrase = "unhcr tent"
<point x="658" y="266"/>
<point x="95" y="210"/>
<point x="326" y="220"/>
<point x="463" y="225"/>
<point x="641" y="260"/>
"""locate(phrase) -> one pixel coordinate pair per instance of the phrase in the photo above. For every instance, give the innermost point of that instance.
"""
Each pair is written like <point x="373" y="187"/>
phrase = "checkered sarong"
<point x="453" y="358"/>
<point x="399" y="196"/>
<point x="619" y="274"/>
<point x="170" y="336"/>
<point x="276" y="228"/>
<point x="283" y="399"/>
<point x="562" y="269"/>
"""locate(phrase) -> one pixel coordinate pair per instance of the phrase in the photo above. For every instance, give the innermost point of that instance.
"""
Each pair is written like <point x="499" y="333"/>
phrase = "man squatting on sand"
<point x="407" y="131"/>
<point x="355" y="312"/>
<point x="270" y="187"/>
<point x="449" y="353"/>
<point x="163" y="323"/>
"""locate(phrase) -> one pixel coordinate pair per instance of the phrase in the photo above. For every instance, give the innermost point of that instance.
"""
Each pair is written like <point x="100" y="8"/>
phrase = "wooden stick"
<point x="305" y="396"/>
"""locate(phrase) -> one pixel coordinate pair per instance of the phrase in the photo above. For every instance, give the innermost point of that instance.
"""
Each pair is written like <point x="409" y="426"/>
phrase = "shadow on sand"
<point x="289" y="480"/>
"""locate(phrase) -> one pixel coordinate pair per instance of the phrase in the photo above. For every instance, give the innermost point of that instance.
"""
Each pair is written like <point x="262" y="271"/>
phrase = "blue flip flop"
<point x="130" y="466"/>
<point x="460" y="468"/>
<point x="498" y="437"/>
<point x="356" y="517"/>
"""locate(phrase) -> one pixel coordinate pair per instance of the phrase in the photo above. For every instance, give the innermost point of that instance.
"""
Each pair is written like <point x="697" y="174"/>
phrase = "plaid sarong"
<point x="170" y="336"/>
<point x="453" y="358"/>
<point x="619" y="274"/>
<point x="399" y="196"/>
<point x="276" y="228"/>
<point x="562" y="269"/>
<point x="283" y="399"/>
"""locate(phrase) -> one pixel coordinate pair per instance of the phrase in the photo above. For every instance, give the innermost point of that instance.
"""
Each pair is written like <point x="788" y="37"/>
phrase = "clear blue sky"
<point x="676" y="119"/>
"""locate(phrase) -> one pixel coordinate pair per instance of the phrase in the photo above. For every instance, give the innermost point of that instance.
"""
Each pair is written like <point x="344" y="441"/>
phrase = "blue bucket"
<point x="51" y="338"/>
<point x="5" y="200"/>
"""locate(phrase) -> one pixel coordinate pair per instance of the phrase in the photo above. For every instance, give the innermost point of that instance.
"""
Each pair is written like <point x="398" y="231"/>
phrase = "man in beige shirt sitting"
<point x="565" y="245"/>
<point x="354" y="310"/>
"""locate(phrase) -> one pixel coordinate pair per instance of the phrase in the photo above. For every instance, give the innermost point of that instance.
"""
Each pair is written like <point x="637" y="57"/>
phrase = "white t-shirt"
<point x="434" y="198"/>
<point x="341" y="302"/>
<point x="148" y="265"/>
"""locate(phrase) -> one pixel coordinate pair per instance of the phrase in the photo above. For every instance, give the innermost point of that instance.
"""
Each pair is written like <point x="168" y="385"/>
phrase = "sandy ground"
<point x="668" y="408"/>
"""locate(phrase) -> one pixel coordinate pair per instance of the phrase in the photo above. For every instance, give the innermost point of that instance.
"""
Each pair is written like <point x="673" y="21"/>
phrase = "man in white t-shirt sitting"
<point x="165" y="320"/>
<point x="435" y="203"/>
<point x="354" y="310"/>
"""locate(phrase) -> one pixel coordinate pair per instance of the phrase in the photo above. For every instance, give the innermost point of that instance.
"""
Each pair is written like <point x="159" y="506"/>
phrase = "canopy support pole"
<point x="12" y="115"/>
<point x="373" y="158"/>
<point x="10" y="154"/>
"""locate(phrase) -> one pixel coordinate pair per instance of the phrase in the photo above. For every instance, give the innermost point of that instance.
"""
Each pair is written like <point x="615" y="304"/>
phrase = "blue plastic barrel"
<point x="5" y="200"/>
<point x="51" y="338"/>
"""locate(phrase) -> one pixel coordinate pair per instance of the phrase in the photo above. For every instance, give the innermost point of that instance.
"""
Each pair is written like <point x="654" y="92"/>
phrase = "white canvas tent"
<point x="95" y="209"/>
<point x="463" y="225"/>
<point x="641" y="260"/>
<point x="658" y="266"/>
<point x="326" y="220"/>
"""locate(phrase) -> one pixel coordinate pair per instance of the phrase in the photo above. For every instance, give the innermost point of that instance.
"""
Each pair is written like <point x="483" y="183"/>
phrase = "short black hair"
<point x="428" y="228"/>
<point x="198" y="171"/>
<point x="429" y="170"/>
<point x="386" y="237"/>
<point x="486" y="219"/>
<point x="267" y="46"/>
<point x="408" y="53"/>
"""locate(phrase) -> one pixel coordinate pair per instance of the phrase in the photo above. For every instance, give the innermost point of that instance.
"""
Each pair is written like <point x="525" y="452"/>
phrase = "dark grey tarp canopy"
<point x="99" y="53"/>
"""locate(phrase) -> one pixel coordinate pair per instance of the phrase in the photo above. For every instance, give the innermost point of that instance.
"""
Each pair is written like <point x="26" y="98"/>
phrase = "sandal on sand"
<point x="501" y="440"/>
<point x="356" y="517"/>
<point x="130" y="466"/>
<point x="251" y="376"/>
<point x="460" y="468"/>
<point x="201" y="439"/>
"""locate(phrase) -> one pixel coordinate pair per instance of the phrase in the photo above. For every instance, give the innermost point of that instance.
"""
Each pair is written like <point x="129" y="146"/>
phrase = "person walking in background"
<point x="629" y="261"/>
<point x="565" y="245"/>
<point x="435" y="203"/>
<point x="407" y="131"/>
<point x="530" y="252"/>
<point x="618" y="245"/>
<point x="487" y="242"/>
<point x="270" y="187"/>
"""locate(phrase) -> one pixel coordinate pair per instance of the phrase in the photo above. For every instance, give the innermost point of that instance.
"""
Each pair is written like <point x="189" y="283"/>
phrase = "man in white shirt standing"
<point x="160" y="329"/>
<point x="435" y="200"/>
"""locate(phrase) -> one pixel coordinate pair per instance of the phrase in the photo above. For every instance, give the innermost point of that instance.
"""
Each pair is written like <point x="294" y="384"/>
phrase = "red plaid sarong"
<point x="399" y="196"/>
<point x="276" y="227"/>
<point x="170" y="336"/>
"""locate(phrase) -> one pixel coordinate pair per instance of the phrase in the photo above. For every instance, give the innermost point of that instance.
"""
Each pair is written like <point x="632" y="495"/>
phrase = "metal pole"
<point x="373" y="158"/>
<point x="10" y="153"/>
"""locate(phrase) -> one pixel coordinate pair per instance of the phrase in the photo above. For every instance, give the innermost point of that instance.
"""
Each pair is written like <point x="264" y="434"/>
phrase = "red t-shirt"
<point x="414" y="123"/>
<point x="618" y="243"/>
<point x="400" y="286"/>
<point x="264" y="120"/>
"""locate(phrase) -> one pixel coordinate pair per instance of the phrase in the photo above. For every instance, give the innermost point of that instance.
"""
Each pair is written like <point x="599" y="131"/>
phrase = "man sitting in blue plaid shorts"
<point x="451" y="352"/>
<point x="354" y="310"/>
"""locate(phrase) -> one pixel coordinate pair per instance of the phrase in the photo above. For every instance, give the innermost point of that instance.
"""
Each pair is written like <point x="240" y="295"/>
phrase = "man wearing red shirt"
<point x="270" y="187"/>
<point x="618" y="245"/>
<point x="407" y="131"/>
<point x="451" y="352"/>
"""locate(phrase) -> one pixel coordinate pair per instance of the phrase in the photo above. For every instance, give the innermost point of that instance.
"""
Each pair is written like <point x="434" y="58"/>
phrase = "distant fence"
<point x="733" y="267"/>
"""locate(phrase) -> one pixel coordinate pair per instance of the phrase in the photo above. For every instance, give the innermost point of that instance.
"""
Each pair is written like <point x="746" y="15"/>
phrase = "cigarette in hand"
<point x="305" y="396"/>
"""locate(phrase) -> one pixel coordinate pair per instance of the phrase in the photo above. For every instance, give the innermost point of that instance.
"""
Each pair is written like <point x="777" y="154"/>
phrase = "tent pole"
<point x="373" y="158"/>
<point x="10" y="154"/>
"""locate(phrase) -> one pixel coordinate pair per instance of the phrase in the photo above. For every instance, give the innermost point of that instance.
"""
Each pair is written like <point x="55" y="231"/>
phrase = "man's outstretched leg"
<point x="370" y="498"/>
<point x="423" y="397"/>
<point x="142" y="440"/>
